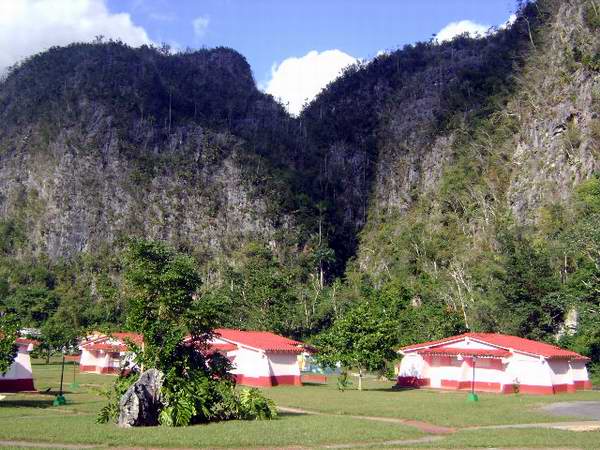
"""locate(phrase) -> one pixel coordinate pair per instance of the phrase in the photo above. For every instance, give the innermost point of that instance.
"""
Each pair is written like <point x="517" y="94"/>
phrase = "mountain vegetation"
<point x="442" y="187"/>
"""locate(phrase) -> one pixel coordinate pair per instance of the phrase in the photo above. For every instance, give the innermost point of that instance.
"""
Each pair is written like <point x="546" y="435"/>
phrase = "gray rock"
<point x="140" y="405"/>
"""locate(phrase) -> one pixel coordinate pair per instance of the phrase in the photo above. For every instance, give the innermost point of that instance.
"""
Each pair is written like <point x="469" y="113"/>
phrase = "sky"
<point x="295" y="47"/>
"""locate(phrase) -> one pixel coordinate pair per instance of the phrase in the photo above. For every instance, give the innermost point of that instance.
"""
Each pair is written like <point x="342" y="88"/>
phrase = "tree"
<point x="57" y="334"/>
<point x="260" y="293"/>
<point x="9" y="329"/>
<point x="161" y="288"/>
<point x="364" y="339"/>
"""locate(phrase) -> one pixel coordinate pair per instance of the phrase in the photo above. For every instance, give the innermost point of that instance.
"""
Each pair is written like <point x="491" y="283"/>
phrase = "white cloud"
<point x="511" y="19"/>
<point x="200" y="25"/>
<point x="296" y="81"/>
<point x="454" y="29"/>
<point x="31" y="26"/>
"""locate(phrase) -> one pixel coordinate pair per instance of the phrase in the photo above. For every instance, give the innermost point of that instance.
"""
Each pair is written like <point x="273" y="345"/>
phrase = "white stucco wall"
<point x="250" y="363"/>
<point x="560" y="371"/>
<point x="527" y="370"/>
<point x="87" y="358"/>
<point x="579" y="371"/>
<point x="21" y="366"/>
<point x="412" y="365"/>
<point x="283" y="364"/>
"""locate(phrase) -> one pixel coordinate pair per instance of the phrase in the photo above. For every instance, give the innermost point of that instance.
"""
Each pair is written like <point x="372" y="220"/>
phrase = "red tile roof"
<point x="113" y="342"/>
<point x="114" y="348"/>
<point x="505" y="342"/>
<point x="136" y="338"/>
<point x="261" y="340"/>
<point x="215" y="347"/>
<point x="25" y="341"/>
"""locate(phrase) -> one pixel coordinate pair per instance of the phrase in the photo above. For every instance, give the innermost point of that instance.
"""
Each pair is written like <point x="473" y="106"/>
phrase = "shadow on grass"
<point x="311" y="384"/>
<point x="41" y="403"/>
<point x="391" y="389"/>
<point x="54" y="392"/>
<point x="284" y="414"/>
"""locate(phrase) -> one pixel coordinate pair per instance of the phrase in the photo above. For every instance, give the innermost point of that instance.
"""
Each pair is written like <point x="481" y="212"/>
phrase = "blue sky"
<point x="295" y="47"/>
<point x="269" y="31"/>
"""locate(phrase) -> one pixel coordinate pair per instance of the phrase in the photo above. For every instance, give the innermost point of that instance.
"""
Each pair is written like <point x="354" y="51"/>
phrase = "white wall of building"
<point x="21" y="366"/>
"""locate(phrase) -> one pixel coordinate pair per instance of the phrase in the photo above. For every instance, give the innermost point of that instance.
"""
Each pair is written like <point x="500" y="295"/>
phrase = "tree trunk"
<point x="360" y="379"/>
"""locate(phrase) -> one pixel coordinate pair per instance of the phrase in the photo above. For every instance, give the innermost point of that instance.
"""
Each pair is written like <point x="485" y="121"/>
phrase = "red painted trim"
<point x="481" y="386"/>
<point x="273" y="380"/>
<point x="581" y="384"/>
<point x="313" y="378"/>
<point x="536" y="390"/>
<point x="450" y="384"/>
<point x="558" y="388"/>
<point x="412" y="382"/>
<point x="111" y="370"/>
<point x="23" y="384"/>
<point x="87" y="368"/>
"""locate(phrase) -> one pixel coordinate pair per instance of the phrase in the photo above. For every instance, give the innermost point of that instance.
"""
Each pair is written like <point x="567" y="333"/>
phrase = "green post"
<point x="472" y="395"/>
<point x="74" y="384"/>
<point x="60" y="398"/>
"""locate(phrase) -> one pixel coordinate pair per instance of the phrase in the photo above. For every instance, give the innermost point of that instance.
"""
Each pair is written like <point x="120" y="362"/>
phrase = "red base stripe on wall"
<point x="583" y="385"/>
<point x="273" y="380"/>
<point x="313" y="378"/>
<point x="482" y="386"/>
<point x="23" y="384"/>
<point x="412" y="382"/>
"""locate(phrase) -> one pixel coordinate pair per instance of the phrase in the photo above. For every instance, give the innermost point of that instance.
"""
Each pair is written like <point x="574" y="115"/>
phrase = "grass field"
<point x="32" y="418"/>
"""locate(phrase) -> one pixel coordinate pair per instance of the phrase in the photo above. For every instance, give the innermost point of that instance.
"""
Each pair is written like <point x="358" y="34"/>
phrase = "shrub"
<point x="254" y="405"/>
<point x="592" y="15"/>
<point x="572" y="135"/>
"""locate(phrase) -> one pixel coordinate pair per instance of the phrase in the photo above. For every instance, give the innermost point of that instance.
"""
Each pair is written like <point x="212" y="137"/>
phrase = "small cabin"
<point x="106" y="354"/>
<point x="261" y="358"/>
<point x="19" y="376"/>
<point x="491" y="362"/>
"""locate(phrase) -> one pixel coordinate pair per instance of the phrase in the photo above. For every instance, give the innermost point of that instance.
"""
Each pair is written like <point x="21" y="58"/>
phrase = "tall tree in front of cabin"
<point x="9" y="328"/>
<point x="161" y="288"/>
<point x="363" y="339"/>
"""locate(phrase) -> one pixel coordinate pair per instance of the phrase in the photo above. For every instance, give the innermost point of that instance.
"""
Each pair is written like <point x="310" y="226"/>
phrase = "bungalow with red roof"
<point x="103" y="353"/>
<point x="261" y="358"/>
<point x="493" y="363"/>
<point x="19" y="376"/>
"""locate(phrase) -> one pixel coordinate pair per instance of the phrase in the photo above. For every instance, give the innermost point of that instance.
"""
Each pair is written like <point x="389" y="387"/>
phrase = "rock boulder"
<point x="140" y="405"/>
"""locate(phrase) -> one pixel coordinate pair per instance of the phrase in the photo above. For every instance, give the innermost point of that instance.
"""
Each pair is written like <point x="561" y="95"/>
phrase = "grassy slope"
<point x="32" y="418"/>
<point x="438" y="407"/>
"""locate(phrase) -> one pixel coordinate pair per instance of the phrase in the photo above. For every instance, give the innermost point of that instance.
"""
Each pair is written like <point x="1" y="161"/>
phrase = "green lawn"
<point x="32" y="418"/>
<point x="444" y="408"/>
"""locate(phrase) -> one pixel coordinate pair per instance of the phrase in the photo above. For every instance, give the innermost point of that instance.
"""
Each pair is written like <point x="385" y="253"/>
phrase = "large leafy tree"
<point x="9" y="328"/>
<point x="260" y="293"/>
<point x="161" y="288"/>
<point x="363" y="339"/>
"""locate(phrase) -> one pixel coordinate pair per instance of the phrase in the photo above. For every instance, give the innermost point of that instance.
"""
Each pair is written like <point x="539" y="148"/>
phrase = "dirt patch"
<point x="424" y="427"/>
<point x="583" y="409"/>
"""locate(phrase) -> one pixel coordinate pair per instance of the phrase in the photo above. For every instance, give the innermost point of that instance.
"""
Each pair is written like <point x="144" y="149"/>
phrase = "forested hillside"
<point x="448" y="186"/>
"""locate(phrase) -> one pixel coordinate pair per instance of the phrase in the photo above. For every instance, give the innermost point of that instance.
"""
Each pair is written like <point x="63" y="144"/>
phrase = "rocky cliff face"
<point x="558" y="109"/>
<point x="100" y="142"/>
<point x="90" y="155"/>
